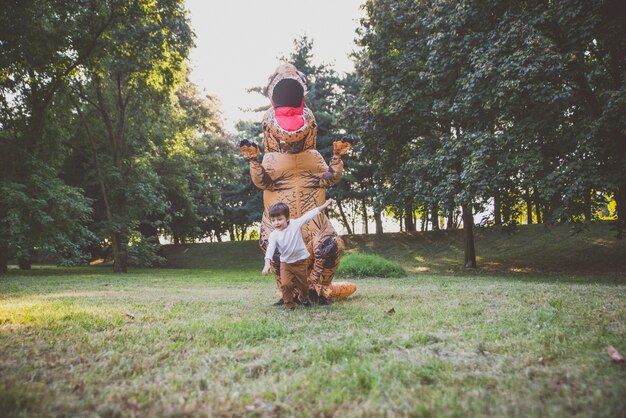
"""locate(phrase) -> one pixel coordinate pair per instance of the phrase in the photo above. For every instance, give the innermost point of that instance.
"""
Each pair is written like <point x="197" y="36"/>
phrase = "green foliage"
<point x="144" y="252"/>
<point x="88" y="83"/>
<point x="464" y="101"/>
<point x="243" y="201"/>
<point x="369" y="265"/>
<point x="467" y="98"/>
<point x="197" y="163"/>
<point x="45" y="219"/>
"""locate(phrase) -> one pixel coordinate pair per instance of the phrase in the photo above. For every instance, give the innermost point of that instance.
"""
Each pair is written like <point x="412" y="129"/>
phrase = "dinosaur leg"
<point x="327" y="255"/>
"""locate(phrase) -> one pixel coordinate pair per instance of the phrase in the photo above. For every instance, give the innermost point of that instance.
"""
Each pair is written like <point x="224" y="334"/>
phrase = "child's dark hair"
<point x="278" y="209"/>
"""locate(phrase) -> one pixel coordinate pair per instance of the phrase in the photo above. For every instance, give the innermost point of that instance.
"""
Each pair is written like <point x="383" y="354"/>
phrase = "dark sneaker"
<point x="306" y="304"/>
<point x="280" y="302"/>
<point x="313" y="296"/>
<point x="323" y="301"/>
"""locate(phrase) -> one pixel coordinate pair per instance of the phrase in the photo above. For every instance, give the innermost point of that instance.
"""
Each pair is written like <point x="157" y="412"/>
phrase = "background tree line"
<point x="519" y="105"/>
<point x="104" y="143"/>
<point x="457" y="107"/>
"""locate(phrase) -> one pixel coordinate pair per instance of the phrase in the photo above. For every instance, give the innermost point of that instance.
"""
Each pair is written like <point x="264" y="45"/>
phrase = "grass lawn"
<point x="196" y="342"/>
<point x="206" y="342"/>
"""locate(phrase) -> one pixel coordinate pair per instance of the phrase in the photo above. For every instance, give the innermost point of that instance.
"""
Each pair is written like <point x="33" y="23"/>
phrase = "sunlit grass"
<point x="86" y="342"/>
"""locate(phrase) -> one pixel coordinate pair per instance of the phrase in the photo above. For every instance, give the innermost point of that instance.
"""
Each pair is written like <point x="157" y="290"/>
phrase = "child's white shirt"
<point x="289" y="241"/>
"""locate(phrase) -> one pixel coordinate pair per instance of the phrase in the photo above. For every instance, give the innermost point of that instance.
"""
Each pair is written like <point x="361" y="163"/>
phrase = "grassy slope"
<point x="206" y="342"/>
<point x="533" y="248"/>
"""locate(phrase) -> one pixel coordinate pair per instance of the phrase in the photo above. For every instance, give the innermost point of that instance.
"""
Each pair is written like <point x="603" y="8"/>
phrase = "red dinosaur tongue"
<point x="290" y="118"/>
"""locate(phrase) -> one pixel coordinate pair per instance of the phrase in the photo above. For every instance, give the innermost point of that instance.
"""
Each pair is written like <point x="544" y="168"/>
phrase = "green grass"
<point x="356" y="265"/>
<point x="525" y="335"/>
<point x="86" y="342"/>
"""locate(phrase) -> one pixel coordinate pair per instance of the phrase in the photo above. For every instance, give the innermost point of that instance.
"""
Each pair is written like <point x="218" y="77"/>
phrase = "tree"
<point x="468" y="101"/>
<point x="45" y="219"/>
<point x="138" y="66"/>
<point x="243" y="201"/>
<point x="43" y="42"/>
<point x="198" y="162"/>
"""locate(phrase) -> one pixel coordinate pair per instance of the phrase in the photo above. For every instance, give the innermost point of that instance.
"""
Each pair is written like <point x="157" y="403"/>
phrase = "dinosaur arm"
<point x="333" y="174"/>
<point x="335" y="167"/>
<point x="259" y="175"/>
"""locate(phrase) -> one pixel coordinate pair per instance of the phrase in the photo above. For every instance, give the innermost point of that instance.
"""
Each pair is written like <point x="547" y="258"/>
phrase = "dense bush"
<point x="369" y="265"/>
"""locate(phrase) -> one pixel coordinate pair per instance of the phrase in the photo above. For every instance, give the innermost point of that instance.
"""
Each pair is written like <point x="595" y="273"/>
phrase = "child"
<point x="287" y="238"/>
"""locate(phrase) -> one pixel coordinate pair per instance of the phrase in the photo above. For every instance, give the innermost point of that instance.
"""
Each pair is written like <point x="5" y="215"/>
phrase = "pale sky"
<point x="238" y="43"/>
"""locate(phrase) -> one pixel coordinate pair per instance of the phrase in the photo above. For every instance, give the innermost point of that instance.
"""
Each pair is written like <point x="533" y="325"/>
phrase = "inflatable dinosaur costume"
<point x="294" y="172"/>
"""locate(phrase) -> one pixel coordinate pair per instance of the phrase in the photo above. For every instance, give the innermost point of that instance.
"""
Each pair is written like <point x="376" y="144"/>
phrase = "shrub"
<point x="369" y="265"/>
<point x="144" y="252"/>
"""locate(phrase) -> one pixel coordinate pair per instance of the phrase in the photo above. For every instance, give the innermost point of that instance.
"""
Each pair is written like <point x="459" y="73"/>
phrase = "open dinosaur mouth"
<point x="288" y="102"/>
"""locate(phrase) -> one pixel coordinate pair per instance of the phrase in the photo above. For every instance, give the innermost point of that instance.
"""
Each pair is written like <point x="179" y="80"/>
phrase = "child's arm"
<point x="314" y="212"/>
<point x="269" y="254"/>
<point x="328" y="203"/>
<point x="266" y="268"/>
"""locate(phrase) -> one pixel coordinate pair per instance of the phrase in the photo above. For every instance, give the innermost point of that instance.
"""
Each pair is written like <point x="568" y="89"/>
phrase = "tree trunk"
<point x="497" y="209"/>
<point x="435" y="217"/>
<point x="4" y="264"/>
<point x="587" y="205"/>
<point x="379" y="223"/>
<point x="620" y="199"/>
<point x="231" y="233"/>
<point x="115" y="133"/>
<point x="450" y="223"/>
<point x="408" y="219"/>
<point x="538" y="211"/>
<point x="468" y="227"/>
<point x="364" y="215"/>
<point x="25" y="263"/>
<point x="218" y="237"/>
<point x="552" y="206"/>
<point x="547" y="213"/>
<point x="506" y="212"/>
<point x="529" y="207"/>
<point x="120" y="252"/>
<point x="344" y="219"/>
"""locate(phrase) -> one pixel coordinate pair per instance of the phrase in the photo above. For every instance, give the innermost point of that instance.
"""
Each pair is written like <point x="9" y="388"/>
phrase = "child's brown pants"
<point x="293" y="276"/>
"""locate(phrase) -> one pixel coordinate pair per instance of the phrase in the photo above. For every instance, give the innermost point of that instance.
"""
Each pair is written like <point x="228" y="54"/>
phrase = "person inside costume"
<point x="287" y="240"/>
<point x="294" y="172"/>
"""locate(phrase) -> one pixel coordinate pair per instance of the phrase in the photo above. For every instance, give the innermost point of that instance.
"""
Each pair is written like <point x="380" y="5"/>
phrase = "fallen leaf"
<point x="130" y="315"/>
<point x="614" y="354"/>
<point x="391" y="311"/>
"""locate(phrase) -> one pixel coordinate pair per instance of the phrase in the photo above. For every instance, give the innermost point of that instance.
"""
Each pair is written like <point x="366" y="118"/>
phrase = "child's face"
<point x="279" y="222"/>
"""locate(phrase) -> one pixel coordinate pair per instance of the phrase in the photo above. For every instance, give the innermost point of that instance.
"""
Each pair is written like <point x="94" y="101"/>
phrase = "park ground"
<point x="526" y="335"/>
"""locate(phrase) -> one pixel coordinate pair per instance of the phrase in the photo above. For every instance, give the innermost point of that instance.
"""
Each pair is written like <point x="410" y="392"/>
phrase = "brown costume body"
<point x="293" y="172"/>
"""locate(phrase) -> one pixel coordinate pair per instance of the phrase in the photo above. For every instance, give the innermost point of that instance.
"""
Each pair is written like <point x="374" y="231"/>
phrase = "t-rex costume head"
<point x="293" y="172"/>
<point x="288" y="126"/>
